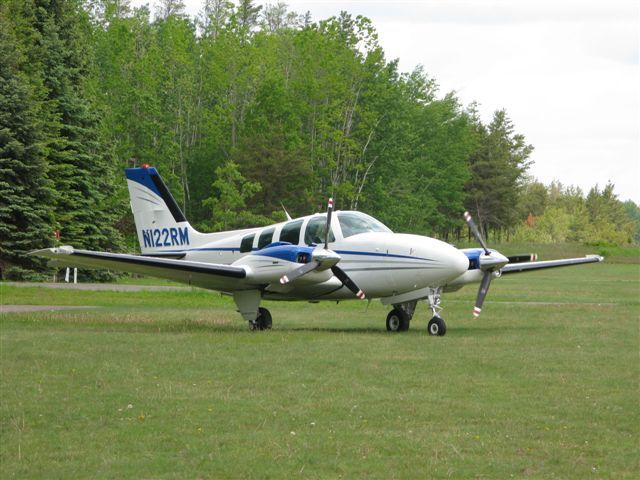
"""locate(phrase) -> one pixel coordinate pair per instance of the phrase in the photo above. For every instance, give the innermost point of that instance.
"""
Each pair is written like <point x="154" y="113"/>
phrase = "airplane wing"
<point x="213" y="276"/>
<point x="528" y="266"/>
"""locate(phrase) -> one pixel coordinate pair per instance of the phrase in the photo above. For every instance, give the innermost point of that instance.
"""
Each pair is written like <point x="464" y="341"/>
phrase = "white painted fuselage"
<point x="381" y="263"/>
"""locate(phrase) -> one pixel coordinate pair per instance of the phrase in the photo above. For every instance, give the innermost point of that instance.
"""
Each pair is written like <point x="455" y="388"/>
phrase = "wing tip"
<point x="47" y="252"/>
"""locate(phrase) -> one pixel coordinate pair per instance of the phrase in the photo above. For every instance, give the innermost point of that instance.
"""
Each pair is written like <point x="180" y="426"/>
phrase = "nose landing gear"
<point x="436" y="326"/>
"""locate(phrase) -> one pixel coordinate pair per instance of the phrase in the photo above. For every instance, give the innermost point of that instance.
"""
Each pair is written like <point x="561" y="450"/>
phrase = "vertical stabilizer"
<point x="161" y="225"/>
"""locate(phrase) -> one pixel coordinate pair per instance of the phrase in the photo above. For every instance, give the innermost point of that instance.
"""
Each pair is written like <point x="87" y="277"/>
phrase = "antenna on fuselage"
<point x="285" y="212"/>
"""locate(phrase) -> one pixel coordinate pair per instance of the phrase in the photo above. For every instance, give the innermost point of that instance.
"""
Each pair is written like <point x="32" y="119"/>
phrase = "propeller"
<point x="347" y="282"/>
<point x="323" y="259"/>
<point x="476" y="232"/>
<point x="488" y="263"/>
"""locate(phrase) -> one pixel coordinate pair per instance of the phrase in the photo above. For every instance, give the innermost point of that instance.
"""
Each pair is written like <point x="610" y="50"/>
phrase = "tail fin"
<point x="161" y="225"/>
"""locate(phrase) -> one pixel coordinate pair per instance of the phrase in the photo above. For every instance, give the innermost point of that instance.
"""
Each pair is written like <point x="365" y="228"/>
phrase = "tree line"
<point x="245" y="109"/>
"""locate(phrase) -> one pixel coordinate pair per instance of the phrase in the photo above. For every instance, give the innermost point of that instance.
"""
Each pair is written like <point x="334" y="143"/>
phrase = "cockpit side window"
<point x="353" y="223"/>
<point x="291" y="232"/>
<point x="247" y="243"/>
<point x="314" y="233"/>
<point x="265" y="237"/>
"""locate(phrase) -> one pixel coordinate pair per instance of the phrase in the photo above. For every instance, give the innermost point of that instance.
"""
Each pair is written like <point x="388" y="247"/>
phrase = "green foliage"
<point x="77" y="166"/>
<point x="551" y="227"/>
<point x="59" y="175"/>
<point x="25" y="189"/>
<point x="533" y="198"/>
<point x="597" y="219"/>
<point x="229" y="200"/>
<point x="633" y="213"/>
<point x="306" y="111"/>
<point x="498" y="170"/>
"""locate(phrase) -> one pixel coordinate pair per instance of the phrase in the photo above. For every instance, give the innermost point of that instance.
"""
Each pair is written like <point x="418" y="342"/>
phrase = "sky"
<point x="566" y="72"/>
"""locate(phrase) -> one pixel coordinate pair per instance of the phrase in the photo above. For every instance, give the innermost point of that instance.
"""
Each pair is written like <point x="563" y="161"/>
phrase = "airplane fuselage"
<point x="381" y="262"/>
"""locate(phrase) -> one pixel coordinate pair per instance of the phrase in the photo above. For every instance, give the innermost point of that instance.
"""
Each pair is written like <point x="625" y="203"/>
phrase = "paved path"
<point x="114" y="287"/>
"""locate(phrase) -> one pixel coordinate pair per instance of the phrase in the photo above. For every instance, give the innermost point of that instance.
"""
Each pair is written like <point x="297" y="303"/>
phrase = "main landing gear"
<point x="399" y="319"/>
<point x="263" y="321"/>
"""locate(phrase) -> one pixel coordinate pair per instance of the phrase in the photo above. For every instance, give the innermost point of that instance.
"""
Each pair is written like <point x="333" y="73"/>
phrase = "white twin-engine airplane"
<point x="301" y="259"/>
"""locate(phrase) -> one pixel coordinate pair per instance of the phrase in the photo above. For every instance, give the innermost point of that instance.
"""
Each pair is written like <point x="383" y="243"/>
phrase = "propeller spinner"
<point x="323" y="259"/>
<point x="489" y="263"/>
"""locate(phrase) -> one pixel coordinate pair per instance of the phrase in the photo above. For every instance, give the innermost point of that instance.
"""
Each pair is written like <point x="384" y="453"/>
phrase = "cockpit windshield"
<point x="353" y="223"/>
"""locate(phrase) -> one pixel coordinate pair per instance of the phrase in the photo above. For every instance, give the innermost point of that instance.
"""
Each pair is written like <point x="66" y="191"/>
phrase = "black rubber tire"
<point x="437" y="327"/>
<point x="264" y="321"/>
<point x="398" y="321"/>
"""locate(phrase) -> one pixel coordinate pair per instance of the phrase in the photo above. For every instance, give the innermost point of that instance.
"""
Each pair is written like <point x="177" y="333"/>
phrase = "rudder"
<point x="160" y="223"/>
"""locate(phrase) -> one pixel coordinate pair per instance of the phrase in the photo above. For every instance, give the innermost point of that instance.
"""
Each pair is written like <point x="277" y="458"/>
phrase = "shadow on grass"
<point x="148" y="325"/>
<point x="351" y="330"/>
<point x="475" y="331"/>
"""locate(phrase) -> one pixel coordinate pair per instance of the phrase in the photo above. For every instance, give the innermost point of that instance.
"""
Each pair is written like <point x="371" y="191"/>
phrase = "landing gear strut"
<point x="263" y="321"/>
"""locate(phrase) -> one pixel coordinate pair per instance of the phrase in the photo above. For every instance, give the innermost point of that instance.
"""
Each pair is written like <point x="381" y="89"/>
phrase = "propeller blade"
<point x="328" y="226"/>
<point x="347" y="282"/>
<point x="298" y="272"/>
<point x="476" y="232"/>
<point x="482" y="293"/>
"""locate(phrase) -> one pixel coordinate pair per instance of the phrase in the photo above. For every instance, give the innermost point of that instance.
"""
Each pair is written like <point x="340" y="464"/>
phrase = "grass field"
<point x="173" y="385"/>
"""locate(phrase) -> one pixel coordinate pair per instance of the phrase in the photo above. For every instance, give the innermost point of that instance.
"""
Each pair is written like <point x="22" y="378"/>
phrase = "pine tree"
<point x="77" y="165"/>
<point x="498" y="169"/>
<point x="25" y="192"/>
<point x="247" y="15"/>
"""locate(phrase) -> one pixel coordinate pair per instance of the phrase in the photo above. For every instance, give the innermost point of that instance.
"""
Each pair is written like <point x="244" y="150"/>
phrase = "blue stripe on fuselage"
<point x="290" y="252"/>
<point x="378" y="254"/>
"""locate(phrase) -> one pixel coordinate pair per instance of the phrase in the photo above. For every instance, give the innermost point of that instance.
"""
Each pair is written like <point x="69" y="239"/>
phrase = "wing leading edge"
<point x="206" y="275"/>
<point x="528" y="266"/>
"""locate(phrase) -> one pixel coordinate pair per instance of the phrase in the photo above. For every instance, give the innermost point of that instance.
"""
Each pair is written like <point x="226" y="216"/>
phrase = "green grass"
<point x="173" y="385"/>
<point x="550" y="251"/>
<point x="130" y="279"/>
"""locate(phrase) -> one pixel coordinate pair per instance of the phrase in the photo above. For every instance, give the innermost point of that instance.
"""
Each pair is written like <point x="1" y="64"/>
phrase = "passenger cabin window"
<point x="265" y="237"/>
<point x="315" y="231"/>
<point x="353" y="223"/>
<point x="247" y="243"/>
<point x="291" y="232"/>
